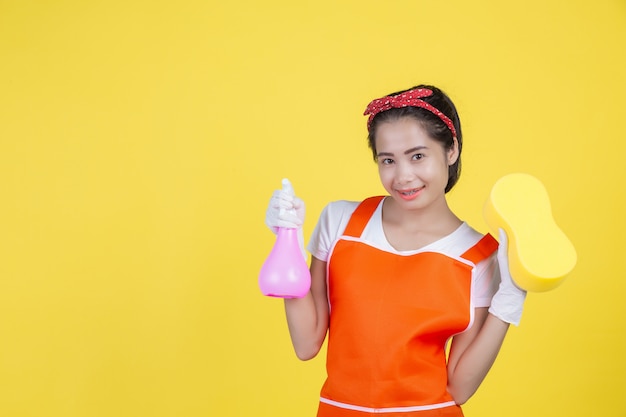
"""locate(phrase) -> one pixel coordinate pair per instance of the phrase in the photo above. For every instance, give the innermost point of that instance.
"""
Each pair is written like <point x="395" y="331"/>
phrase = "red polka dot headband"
<point x="411" y="98"/>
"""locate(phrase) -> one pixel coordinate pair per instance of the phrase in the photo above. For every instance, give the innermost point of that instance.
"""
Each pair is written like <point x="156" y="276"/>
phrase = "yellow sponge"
<point x="540" y="255"/>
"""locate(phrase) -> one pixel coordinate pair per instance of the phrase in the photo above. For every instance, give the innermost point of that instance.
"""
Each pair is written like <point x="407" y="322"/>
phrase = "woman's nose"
<point x="405" y="173"/>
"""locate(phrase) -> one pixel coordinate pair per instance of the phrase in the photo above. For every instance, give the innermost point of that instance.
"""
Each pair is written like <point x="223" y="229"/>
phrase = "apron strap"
<point x="481" y="250"/>
<point x="361" y="216"/>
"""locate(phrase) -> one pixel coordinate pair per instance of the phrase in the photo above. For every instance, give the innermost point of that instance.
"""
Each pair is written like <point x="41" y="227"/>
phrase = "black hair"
<point x="434" y="126"/>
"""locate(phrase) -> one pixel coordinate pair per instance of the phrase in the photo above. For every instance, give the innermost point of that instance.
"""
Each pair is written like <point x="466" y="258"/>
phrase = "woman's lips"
<point x="410" y="194"/>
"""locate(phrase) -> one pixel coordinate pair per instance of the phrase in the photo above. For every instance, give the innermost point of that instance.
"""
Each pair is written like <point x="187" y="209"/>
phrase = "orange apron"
<point x="391" y="317"/>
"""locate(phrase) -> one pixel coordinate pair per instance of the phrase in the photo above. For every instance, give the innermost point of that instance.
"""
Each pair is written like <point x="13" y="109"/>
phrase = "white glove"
<point x="286" y="210"/>
<point x="508" y="302"/>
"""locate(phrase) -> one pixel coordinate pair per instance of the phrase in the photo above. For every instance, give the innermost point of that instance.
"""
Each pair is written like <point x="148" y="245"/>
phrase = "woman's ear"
<point x="453" y="152"/>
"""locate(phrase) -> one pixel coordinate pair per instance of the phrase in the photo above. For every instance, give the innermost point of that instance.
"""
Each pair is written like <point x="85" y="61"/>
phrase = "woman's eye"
<point x="417" y="156"/>
<point x="386" y="161"/>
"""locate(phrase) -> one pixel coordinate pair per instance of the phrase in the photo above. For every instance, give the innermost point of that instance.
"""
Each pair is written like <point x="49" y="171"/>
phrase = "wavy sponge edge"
<point x="540" y="254"/>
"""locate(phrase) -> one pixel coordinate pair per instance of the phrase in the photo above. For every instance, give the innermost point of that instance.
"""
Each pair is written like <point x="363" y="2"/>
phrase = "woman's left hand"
<point x="508" y="302"/>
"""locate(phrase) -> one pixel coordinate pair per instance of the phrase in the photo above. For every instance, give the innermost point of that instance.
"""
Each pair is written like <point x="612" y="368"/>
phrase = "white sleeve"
<point x="486" y="281"/>
<point x="330" y="226"/>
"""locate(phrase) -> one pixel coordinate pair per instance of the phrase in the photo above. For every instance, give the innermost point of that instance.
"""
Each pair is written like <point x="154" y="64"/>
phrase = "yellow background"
<point x="141" y="140"/>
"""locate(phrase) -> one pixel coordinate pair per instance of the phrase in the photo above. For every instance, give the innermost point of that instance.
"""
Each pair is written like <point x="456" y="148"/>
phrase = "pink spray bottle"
<point x="285" y="273"/>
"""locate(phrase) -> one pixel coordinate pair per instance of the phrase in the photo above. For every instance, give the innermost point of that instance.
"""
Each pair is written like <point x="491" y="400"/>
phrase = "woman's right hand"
<point x="285" y="209"/>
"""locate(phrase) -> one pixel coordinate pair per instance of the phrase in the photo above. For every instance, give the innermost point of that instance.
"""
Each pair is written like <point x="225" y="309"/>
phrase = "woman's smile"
<point x="410" y="194"/>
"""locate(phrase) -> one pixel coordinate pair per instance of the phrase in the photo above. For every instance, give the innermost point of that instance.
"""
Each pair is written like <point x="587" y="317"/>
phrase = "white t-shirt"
<point x="335" y="217"/>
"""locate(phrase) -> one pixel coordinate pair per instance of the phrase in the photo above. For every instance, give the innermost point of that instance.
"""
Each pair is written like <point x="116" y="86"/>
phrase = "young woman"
<point x="396" y="277"/>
